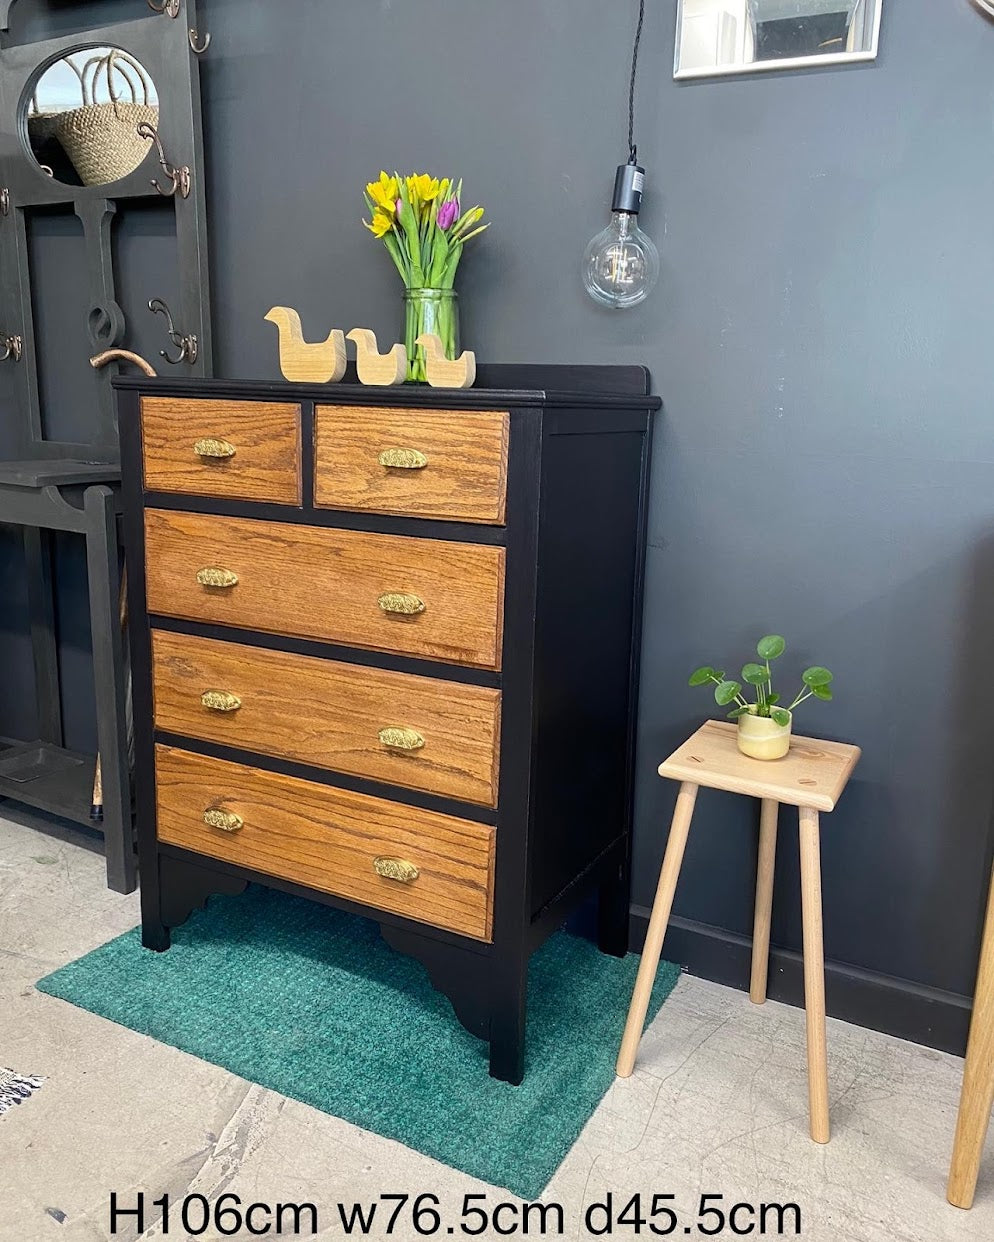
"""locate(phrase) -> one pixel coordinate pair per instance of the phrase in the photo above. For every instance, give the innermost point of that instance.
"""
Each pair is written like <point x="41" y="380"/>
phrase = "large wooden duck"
<point x="318" y="363"/>
<point x="442" y="372"/>
<point x="376" y="368"/>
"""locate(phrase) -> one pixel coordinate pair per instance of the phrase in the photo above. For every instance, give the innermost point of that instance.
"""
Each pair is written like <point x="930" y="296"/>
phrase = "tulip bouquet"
<point x="421" y="222"/>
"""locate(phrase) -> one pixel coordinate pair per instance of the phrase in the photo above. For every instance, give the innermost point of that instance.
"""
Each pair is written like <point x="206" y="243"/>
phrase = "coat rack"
<point x="58" y="486"/>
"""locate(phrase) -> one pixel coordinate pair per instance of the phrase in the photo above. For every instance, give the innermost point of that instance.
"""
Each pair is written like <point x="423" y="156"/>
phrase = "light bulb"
<point x="621" y="264"/>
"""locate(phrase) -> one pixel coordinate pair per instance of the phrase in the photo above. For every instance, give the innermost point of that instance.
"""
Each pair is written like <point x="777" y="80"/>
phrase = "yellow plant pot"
<point x="761" y="737"/>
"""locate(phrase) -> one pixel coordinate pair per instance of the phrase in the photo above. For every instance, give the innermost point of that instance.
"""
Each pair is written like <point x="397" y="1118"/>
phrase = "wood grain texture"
<point x="813" y="772"/>
<point x="325" y="584"/>
<point x="977" y="1096"/>
<point x="328" y="838"/>
<point x="465" y="477"/>
<point x="265" y="434"/>
<point x="329" y="714"/>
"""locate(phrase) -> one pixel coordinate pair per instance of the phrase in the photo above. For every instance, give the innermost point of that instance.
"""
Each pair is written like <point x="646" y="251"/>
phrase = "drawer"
<point x="430" y="867"/>
<point x="341" y="586"/>
<point x="245" y="450"/>
<point x="443" y="736"/>
<point x="421" y="463"/>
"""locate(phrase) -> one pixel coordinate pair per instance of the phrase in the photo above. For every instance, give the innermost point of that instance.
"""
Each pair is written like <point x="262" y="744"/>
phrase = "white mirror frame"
<point x="791" y="62"/>
<point x="985" y="6"/>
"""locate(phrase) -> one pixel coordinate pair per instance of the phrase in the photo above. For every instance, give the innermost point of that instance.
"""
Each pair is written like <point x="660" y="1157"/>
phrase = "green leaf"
<point x="816" y="676"/>
<point x="772" y="698"/>
<point x="736" y="712"/>
<point x="770" y="647"/>
<point x="701" y="675"/>
<point x="781" y="716"/>
<point x="755" y="674"/>
<point x="823" y="693"/>
<point x="725" y="692"/>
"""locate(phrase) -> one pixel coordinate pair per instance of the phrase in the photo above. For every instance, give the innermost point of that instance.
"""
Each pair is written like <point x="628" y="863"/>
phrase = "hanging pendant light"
<point x="621" y="264"/>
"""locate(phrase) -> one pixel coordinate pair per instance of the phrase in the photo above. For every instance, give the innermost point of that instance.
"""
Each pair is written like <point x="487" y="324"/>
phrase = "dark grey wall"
<point x="821" y="336"/>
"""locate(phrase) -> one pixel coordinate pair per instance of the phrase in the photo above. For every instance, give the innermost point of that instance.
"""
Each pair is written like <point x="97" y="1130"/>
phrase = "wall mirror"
<point x="745" y="36"/>
<point x="81" y="115"/>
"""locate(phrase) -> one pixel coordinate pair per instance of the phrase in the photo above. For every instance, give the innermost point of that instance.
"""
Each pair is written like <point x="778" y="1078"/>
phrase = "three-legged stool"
<point x="811" y="776"/>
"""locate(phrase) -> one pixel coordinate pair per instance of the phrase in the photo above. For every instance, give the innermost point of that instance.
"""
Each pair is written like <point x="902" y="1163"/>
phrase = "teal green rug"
<point x="312" y="1003"/>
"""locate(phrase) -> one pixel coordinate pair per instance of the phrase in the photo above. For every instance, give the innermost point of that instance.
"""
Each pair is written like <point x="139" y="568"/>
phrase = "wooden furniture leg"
<point x="977" y="1097"/>
<point x="814" y="973"/>
<point x="661" y="907"/>
<point x="764" y="900"/>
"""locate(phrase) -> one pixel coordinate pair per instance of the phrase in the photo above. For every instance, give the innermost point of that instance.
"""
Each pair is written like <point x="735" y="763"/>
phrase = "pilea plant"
<point x="815" y="684"/>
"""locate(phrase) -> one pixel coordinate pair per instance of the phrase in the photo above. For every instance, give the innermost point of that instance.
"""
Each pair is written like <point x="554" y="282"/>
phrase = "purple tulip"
<point x="448" y="214"/>
<point x="400" y="207"/>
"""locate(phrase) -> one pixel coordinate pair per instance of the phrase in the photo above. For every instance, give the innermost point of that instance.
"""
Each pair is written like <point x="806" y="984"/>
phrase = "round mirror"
<point x="83" y="113"/>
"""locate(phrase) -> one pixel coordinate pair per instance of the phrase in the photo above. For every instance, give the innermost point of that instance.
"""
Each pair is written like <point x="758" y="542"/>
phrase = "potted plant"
<point x="764" y="726"/>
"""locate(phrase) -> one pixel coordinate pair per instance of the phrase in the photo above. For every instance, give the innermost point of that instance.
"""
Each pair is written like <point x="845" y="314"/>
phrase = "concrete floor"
<point x="717" y="1106"/>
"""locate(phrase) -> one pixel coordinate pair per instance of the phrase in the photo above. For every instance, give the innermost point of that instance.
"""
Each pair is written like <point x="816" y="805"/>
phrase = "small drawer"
<point x="433" y="868"/>
<point x="420" y="597"/>
<point x="449" y="464"/>
<point x="243" y="450"/>
<point x="418" y="732"/>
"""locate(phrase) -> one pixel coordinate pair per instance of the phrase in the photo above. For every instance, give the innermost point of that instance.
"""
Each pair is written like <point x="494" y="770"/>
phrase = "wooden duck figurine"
<point x="442" y="372"/>
<point x="319" y="363"/>
<point x="376" y="368"/>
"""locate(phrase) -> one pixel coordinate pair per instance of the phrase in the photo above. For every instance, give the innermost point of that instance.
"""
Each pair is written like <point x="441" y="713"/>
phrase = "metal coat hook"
<point x="169" y="7"/>
<point x="187" y="345"/>
<point x="178" y="177"/>
<point x="195" y="42"/>
<point x="12" y="347"/>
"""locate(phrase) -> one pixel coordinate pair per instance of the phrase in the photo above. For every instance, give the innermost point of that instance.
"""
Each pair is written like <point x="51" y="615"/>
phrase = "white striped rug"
<point x="15" y="1088"/>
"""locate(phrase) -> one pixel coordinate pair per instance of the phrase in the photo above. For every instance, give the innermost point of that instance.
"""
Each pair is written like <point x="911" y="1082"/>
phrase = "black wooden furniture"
<point x="57" y="486"/>
<point x="386" y="648"/>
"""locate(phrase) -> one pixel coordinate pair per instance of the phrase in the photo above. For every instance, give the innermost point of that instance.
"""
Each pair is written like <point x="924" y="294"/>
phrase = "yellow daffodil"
<point x="382" y="222"/>
<point x="422" y="187"/>
<point x="384" y="194"/>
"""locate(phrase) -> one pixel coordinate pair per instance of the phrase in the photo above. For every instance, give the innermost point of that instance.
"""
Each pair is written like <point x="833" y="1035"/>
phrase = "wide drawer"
<point x="422" y="463"/>
<point x="419" y="732"/>
<point x="419" y="597"/>
<point x="430" y="867"/>
<point x="246" y="450"/>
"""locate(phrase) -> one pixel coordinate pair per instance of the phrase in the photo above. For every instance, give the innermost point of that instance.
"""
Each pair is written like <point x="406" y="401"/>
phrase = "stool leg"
<point x="764" y="900"/>
<point x="977" y="1096"/>
<point x="814" y="974"/>
<point x="661" y="908"/>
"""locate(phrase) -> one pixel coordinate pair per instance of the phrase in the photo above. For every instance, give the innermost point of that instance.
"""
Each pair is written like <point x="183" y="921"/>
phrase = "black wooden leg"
<point x="155" y="937"/>
<point x="507" y="1028"/>
<point x="612" y="911"/>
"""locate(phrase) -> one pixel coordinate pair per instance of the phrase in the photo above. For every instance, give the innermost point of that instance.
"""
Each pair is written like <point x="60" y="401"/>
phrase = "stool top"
<point x="813" y="773"/>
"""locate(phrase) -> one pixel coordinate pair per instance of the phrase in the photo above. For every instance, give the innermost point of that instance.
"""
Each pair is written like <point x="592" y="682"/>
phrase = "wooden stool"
<point x="977" y="1097"/>
<point x="811" y="777"/>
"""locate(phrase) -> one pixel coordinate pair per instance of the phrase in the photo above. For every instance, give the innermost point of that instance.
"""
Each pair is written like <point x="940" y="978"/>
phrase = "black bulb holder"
<point x="628" y="183"/>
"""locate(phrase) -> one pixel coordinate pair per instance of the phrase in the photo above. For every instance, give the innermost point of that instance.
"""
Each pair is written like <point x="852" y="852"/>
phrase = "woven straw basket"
<point x="101" y="138"/>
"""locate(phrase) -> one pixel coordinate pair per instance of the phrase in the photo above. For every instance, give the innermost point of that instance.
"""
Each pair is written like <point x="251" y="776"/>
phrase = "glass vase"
<point x="429" y="310"/>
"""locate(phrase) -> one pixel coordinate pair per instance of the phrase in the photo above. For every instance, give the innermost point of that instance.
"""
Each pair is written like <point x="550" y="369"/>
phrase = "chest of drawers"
<point x="385" y="649"/>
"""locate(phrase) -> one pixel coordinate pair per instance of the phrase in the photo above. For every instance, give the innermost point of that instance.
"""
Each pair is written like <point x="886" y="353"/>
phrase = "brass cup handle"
<point x="214" y="450"/>
<point x="403" y="459"/>
<point x="402" y="604"/>
<point x="396" y="869"/>
<point x="401" y="739"/>
<point x="217" y="576"/>
<point x="226" y="821"/>
<point x="220" y="701"/>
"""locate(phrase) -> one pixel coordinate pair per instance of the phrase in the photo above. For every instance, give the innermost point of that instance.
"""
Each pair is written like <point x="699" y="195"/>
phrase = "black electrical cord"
<point x="632" y="149"/>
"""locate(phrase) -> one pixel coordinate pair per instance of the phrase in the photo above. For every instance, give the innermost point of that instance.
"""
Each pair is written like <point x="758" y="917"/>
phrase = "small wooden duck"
<point x="442" y="372"/>
<point x="376" y="368"/>
<point x="318" y="363"/>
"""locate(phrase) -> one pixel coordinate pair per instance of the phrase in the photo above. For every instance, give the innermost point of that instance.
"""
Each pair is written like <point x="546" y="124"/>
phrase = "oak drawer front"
<point x="418" y="732"/>
<point x="430" y="867"/>
<point x="245" y="450"/>
<point x="420" y="597"/>
<point x="419" y="463"/>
